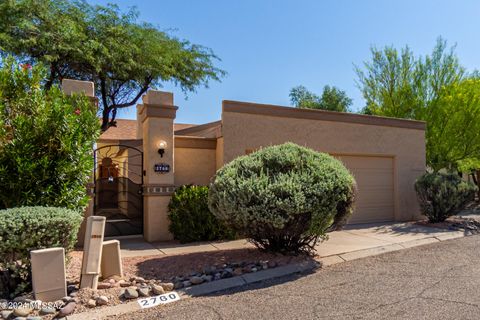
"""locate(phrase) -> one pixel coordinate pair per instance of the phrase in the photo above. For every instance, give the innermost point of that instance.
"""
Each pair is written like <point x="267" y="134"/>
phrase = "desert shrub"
<point x="283" y="198"/>
<point x="442" y="195"/>
<point x="29" y="228"/>
<point x="46" y="141"/>
<point x="191" y="219"/>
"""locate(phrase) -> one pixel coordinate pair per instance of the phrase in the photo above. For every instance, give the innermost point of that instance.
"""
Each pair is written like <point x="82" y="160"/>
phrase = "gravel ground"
<point x="437" y="281"/>
<point x="163" y="267"/>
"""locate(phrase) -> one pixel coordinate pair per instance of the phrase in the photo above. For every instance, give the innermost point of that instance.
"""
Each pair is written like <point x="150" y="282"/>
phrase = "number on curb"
<point x="157" y="300"/>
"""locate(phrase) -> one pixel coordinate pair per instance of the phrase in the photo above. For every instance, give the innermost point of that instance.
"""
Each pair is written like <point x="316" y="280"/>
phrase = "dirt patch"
<point x="164" y="267"/>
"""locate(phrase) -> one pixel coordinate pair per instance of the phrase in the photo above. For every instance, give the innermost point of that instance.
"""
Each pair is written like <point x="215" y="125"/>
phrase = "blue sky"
<point x="269" y="46"/>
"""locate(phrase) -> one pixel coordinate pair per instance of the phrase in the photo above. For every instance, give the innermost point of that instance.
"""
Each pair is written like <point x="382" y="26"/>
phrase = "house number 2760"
<point x="157" y="300"/>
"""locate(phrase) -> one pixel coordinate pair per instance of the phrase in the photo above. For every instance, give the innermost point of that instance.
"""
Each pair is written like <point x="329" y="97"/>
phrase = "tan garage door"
<point x="374" y="176"/>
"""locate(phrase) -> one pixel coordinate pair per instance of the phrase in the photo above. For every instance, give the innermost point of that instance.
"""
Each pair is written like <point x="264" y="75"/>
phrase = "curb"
<point x="203" y="289"/>
<point x="250" y="278"/>
<point x="363" y="253"/>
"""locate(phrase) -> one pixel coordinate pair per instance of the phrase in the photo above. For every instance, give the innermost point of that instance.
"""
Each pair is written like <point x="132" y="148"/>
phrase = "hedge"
<point x="29" y="228"/>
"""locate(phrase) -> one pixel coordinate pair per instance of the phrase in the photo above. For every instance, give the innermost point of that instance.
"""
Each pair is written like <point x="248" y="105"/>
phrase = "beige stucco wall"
<point x="219" y="153"/>
<point x="248" y="126"/>
<point x="194" y="166"/>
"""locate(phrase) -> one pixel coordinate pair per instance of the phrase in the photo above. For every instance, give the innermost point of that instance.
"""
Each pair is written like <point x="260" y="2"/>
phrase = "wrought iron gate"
<point x="118" y="178"/>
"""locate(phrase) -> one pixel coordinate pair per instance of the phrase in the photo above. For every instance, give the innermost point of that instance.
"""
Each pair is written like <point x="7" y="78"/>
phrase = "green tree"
<point x="46" y="141"/>
<point x="396" y="84"/>
<point x="332" y="99"/>
<point x="453" y="128"/>
<point x="122" y="56"/>
<point x="435" y="89"/>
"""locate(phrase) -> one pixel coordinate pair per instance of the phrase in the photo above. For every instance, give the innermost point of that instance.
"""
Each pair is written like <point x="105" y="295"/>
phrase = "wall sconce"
<point x="161" y="147"/>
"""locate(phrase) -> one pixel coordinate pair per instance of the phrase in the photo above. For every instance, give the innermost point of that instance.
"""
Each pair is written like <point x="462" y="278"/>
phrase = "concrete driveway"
<point x="434" y="281"/>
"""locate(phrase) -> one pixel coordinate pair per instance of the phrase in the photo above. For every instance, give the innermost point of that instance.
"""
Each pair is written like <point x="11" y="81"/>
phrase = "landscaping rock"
<point x="137" y="279"/>
<point x="124" y="283"/>
<point x="71" y="288"/>
<point x="6" y="314"/>
<point x="22" y="311"/>
<point x="178" y="285"/>
<point x="264" y="265"/>
<point x="248" y="269"/>
<point x="91" y="303"/>
<point x="186" y="284"/>
<point x="47" y="310"/>
<point x="167" y="286"/>
<point x="207" y="278"/>
<point x="157" y="289"/>
<point x="254" y="269"/>
<point x="102" y="301"/>
<point x="34" y="318"/>
<point x="130" y="293"/>
<point x="68" y="309"/>
<point x="196" y="280"/>
<point x="21" y="299"/>
<point x="68" y="299"/>
<point x="59" y="303"/>
<point x="211" y="270"/>
<point x="104" y="285"/>
<point x="238" y="272"/>
<point x="144" y="291"/>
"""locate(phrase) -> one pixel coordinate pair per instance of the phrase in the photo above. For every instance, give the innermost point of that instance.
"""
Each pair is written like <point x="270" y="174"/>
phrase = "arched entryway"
<point x="118" y="180"/>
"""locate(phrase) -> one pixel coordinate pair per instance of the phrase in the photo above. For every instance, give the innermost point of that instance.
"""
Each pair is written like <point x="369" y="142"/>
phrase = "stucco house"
<point x="139" y="163"/>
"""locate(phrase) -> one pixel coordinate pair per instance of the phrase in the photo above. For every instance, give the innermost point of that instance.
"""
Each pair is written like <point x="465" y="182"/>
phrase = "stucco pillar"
<point x="156" y="116"/>
<point x="69" y="87"/>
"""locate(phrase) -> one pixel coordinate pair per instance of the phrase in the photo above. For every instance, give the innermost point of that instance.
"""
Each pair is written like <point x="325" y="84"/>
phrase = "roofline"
<point x="199" y="127"/>
<point x="315" y="114"/>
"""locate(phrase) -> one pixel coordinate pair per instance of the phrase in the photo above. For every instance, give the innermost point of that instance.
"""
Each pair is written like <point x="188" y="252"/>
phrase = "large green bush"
<point x="46" y="141"/>
<point x="191" y="219"/>
<point x="29" y="228"/>
<point x="283" y="198"/>
<point x="442" y="195"/>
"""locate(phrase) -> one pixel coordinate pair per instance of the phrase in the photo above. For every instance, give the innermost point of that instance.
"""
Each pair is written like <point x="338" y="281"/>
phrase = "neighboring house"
<point x="140" y="162"/>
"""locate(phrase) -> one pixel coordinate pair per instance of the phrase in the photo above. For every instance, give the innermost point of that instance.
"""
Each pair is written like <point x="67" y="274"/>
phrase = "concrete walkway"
<point x="341" y="246"/>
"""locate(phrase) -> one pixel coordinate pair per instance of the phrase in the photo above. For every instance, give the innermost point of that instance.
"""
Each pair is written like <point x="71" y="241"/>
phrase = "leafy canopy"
<point x="332" y="99"/>
<point x="124" y="57"/>
<point x="435" y="89"/>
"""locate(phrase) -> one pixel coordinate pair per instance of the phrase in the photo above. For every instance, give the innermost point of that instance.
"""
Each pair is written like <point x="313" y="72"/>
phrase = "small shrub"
<point x="191" y="219"/>
<point x="283" y="198"/>
<point x="442" y="195"/>
<point x="29" y="228"/>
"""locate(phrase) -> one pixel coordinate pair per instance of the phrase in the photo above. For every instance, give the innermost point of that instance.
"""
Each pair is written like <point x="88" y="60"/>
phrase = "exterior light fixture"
<point x="161" y="147"/>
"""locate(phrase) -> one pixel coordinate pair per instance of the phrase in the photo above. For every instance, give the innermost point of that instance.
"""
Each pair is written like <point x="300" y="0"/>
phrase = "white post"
<point x="92" y="252"/>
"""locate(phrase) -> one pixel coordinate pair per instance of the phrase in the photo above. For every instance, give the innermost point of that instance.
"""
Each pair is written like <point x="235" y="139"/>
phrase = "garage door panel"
<point x="371" y="214"/>
<point x="374" y="177"/>
<point x="365" y="162"/>
<point x="374" y="196"/>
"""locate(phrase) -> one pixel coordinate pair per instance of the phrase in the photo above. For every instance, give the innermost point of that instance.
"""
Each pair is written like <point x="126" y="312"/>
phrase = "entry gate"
<point x="118" y="177"/>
